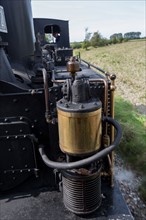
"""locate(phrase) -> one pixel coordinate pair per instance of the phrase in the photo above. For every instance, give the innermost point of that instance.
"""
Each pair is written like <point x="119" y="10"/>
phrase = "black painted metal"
<point x="77" y="97"/>
<point x="6" y="72"/>
<point x="20" y="34"/>
<point x="41" y="23"/>
<point x="17" y="152"/>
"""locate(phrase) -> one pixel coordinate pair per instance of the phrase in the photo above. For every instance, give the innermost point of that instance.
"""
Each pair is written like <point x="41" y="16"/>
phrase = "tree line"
<point x="96" y="39"/>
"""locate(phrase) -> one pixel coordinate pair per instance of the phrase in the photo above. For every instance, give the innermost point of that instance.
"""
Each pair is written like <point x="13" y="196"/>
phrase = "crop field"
<point x="128" y="61"/>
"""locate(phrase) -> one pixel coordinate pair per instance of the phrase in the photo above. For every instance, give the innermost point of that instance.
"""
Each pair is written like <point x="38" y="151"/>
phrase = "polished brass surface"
<point x="79" y="133"/>
<point x="112" y="155"/>
<point x="73" y="65"/>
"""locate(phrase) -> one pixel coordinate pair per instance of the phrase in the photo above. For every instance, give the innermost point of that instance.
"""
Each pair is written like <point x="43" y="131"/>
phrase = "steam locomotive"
<point x="57" y="127"/>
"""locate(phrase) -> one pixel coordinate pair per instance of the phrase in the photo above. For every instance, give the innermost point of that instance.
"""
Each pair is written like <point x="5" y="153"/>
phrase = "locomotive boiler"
<point x="57" y="126"/>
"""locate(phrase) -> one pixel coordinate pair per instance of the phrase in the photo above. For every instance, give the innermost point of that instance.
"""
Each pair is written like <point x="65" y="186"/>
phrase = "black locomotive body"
<point x="56" y="123"/>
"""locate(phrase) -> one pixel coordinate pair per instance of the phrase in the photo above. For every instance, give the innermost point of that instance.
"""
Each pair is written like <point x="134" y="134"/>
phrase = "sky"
<point x="105" y="16"/>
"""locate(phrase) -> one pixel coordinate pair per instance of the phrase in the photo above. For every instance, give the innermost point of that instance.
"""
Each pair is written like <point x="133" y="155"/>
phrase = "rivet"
<point x="81" y="106"/>
<point x="66" y="105"/>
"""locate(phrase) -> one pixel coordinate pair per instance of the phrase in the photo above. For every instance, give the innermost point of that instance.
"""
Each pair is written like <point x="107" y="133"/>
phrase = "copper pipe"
<point x="45" y="79"/>
<point x="58" y="80"/>
<point x="112" y="154"/>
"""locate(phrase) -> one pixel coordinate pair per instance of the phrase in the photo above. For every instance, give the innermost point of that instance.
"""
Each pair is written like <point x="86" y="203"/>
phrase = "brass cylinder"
<point x="73" y="65"/>
<point x="79" y="133"/>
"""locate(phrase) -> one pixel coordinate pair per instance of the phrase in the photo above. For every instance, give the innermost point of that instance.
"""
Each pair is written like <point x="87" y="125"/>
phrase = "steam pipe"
<point x="86" y="161"/>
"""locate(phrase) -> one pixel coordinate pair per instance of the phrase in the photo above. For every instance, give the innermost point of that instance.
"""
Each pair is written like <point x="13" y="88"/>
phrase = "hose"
<point x="86" y="161"/>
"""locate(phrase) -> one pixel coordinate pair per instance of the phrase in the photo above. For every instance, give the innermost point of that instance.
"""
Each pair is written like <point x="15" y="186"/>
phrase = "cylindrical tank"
<point x="20" y="36"/>
<point x="79" y="133"/>
<point x="79" y="121"/>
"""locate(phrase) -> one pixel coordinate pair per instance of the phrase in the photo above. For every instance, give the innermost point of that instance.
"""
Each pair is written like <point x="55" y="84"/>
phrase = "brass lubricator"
<point x="79" y="123"/>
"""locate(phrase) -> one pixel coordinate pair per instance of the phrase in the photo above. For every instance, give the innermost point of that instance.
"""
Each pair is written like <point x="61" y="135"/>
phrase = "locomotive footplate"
<point x="46" y="204"/>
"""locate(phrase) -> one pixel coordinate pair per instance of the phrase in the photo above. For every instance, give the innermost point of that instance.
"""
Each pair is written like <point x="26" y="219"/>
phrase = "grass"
<point x="128" y="61"/>
<point x="133" y="143"/>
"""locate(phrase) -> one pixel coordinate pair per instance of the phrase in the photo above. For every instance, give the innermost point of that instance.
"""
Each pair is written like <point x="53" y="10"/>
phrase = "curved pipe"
<point x="86" y="161"/>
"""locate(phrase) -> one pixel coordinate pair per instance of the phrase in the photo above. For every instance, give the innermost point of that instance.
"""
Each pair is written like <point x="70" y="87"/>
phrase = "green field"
<point x="128" y="61"/>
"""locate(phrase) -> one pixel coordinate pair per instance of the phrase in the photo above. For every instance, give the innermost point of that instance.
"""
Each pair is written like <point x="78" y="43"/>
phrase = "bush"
<point x="76" y="45"/>
<point x="86" y="44"/>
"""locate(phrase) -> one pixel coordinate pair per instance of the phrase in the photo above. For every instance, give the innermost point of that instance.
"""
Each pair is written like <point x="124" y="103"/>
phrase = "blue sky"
<point x="106" y="16"/>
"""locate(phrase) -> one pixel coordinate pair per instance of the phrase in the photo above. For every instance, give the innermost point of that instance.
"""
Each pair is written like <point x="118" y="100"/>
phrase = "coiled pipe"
<point x="86" y="161"/>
